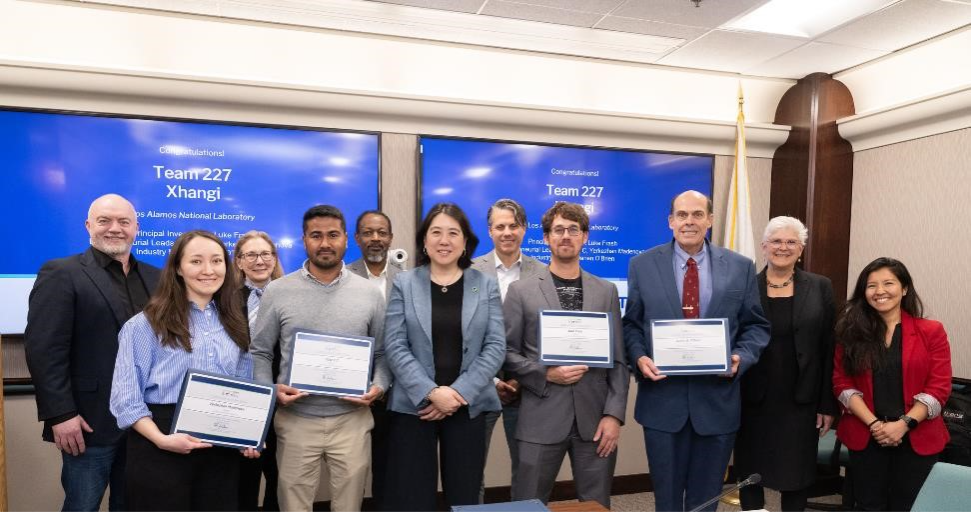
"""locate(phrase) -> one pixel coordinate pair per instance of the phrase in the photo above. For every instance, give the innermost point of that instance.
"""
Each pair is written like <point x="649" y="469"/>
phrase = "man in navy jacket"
<point x="690" y="421"/>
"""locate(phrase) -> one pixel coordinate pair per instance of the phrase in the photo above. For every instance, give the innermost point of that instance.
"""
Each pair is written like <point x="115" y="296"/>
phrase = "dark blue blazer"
<point x="712" y="403"/>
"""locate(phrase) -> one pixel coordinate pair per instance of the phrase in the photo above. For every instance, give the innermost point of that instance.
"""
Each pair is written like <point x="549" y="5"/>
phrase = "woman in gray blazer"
<point x="444" y="342"/>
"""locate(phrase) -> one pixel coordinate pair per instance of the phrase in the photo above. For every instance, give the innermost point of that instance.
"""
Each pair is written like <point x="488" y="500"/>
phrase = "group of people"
<point x="456" y="348"/>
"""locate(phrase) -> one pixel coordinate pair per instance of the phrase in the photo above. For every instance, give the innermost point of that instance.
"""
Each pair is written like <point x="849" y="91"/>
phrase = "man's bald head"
<point x="690" y="219"/>
<point x="110" y="201"/>
<point x="112" y="225"/>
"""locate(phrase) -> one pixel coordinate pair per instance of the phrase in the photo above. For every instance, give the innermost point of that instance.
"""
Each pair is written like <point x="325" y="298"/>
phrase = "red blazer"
<point x="926" y="368"/>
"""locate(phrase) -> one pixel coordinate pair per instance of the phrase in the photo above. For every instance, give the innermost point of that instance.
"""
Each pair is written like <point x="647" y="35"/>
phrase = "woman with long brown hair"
<point x="193" y="320"/>
<point x="892" y="373"/>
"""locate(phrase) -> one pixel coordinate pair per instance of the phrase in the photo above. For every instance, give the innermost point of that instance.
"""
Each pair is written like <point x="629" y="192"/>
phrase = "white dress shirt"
<point x="509" y="275"/>
<point x="381" y="280"/>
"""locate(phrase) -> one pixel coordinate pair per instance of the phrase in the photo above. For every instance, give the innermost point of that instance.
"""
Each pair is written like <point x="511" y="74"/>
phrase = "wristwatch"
<point x="911" y="422"/>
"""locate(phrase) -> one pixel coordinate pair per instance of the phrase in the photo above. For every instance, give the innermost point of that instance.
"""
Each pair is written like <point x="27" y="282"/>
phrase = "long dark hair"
<point x="860" y="328"/>
<point x="168" y="309"/>
<point x="453" y="211"/>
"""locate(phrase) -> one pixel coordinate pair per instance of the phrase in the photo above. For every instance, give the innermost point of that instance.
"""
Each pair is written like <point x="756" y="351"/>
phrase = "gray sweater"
<point x="350" y="306"/>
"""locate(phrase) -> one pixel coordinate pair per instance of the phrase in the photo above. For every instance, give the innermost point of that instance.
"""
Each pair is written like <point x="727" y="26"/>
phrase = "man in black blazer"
<point x="77" y="306"/>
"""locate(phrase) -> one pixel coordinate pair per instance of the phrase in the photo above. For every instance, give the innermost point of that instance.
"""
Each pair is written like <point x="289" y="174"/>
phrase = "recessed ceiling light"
<point x="802" y="18"/>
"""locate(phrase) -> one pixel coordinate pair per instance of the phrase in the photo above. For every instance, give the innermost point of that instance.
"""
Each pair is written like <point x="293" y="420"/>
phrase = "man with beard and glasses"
<point x="322" y="296"/>
<point x="373" y="237"/>
<point x="77" y="306"/>
<point x="575" y="409"/>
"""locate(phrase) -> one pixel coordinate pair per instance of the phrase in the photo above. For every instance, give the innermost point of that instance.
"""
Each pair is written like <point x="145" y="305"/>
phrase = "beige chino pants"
<point x="342" y="442"/>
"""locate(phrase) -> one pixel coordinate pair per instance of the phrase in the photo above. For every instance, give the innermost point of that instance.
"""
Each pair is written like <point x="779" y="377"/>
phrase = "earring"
<point x="424" y="250"/>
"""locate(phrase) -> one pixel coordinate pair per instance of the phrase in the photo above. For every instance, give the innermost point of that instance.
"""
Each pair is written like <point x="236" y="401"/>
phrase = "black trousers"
<point x="250" y="473"/>
<point x="753" y="498"/>
<point x="379" y="452"/>
<point x="888" y="478"/>
<point x="415" y="449"/>
<point x="205" y="479"/>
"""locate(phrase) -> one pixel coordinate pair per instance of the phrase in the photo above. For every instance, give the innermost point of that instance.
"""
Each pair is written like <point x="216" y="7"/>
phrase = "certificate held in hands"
<point x="331" y="364"/>
<point x="697" y="346"/>
<point x="223" y="410"/>
<point x="575" y="337"/>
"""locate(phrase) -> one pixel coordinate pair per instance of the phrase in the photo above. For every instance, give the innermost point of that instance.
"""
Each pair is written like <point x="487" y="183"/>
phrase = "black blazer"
<point x="813" y="317"/>
<point x="71" y="342"/>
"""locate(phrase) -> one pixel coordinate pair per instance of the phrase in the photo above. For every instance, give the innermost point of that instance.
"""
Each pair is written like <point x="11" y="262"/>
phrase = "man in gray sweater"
<point x="321" y="296"/>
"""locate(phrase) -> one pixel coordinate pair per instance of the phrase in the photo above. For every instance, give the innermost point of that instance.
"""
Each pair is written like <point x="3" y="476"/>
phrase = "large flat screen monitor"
<point x="180" y="175"/>
<point x="627" y="193"/>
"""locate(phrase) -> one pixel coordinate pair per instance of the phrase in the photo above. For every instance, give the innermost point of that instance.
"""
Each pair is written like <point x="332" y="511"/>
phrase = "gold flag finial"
<point x="741" y="97"/>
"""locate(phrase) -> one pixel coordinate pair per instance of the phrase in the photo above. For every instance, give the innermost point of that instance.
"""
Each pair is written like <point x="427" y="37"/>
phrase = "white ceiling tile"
<point x="540" y="13"/>
<point x="709" y="14"/>
<point x="722" y="50"/>
<point x="595" y="6"/>
<point x="651" y="28"/>
<point x="469" y="6"/>
<point x="814" y="58"/>
<point x="902" y="25"/>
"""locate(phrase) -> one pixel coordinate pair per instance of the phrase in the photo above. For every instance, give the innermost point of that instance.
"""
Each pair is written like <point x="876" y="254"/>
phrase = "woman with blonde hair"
<point x="256" y="262"/>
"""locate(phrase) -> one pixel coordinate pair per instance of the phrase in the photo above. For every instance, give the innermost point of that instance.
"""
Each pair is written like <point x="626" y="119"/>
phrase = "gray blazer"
<point x="360" y="268"/>
<point x="548" y="410"/>
<point x="487" y="265"/>
<point x="408" y="341"/>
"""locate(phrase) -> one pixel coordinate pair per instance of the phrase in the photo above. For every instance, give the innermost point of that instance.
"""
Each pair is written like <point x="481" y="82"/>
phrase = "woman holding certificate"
<point x="444" y="342"/>
<point x="257" y="264"/>
<point x="892" y="373"/>
<point x="787" y="403"/>
<point x="192" y="321"/>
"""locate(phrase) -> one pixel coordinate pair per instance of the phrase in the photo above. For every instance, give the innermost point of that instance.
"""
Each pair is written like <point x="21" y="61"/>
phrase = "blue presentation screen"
<point x="228" y="179"/>
<point x="627" y="193"/>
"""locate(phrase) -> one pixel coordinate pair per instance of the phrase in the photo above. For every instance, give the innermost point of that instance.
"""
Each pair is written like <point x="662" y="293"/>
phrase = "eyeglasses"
<point x="379" y="233"/>
<point x="777" y="243"/>
<point x="560" y="231"/>
<point x="250" y="257"/>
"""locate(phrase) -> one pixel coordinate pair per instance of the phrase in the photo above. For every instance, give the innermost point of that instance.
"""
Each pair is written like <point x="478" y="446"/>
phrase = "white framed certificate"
<point x="224" y="410"/>
<point x="331" y="364"/>
<point x="697" y="346"/>
<point x="575" y="337"/>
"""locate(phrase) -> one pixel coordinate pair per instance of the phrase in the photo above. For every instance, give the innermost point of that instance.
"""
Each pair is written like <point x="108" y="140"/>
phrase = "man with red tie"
<point x="690" y="421"/>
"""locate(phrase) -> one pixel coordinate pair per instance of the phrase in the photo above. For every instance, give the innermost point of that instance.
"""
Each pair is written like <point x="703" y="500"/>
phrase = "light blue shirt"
<point x="703" y="259"/>
<point x="146" y="372"/>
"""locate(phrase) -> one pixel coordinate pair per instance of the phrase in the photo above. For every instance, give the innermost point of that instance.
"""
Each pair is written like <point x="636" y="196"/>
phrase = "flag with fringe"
<point x="738" y="218"/>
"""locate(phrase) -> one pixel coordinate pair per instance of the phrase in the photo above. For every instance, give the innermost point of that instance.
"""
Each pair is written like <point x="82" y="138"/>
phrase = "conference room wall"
<point x="910" y="202"/>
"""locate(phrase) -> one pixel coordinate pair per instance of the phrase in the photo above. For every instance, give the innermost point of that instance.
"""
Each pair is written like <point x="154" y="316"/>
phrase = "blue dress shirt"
<point x="703" y="259"/>
<point x="146" y="372"/>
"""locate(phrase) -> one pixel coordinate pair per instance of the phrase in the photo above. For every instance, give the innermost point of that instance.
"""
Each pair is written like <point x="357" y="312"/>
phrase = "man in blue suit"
<point x="690" y="421"/>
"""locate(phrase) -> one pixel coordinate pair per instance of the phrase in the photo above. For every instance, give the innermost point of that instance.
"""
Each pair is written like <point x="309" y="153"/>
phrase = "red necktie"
<point x="690" y="294"/>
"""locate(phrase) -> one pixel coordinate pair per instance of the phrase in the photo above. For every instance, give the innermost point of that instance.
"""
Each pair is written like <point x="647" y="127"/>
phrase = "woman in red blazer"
<point x="892" y="373"/>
